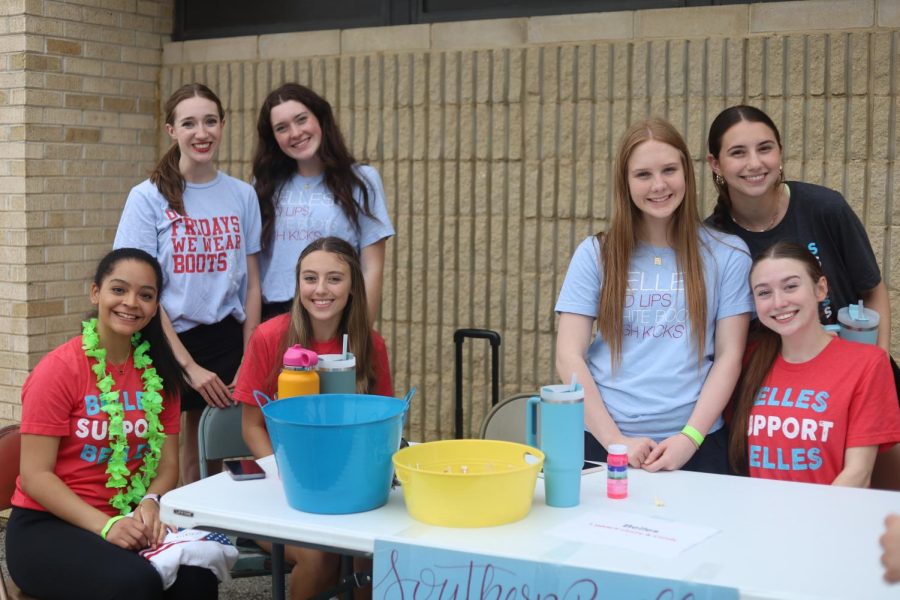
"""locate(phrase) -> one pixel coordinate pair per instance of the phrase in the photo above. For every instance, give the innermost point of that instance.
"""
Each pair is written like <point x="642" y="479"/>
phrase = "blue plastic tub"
<point x="334" y="450"/>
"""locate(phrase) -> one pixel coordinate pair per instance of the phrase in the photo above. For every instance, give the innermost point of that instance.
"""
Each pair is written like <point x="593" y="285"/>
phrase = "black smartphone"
<point x="243" y="469"/>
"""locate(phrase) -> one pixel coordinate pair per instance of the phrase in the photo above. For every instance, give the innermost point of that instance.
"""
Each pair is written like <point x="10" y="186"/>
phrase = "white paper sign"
<point x="633" y="531"/>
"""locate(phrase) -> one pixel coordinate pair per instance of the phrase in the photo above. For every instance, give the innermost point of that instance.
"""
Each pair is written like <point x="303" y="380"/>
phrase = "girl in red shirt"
<point x="100" y="420"/>
<point x="330" y="301"/>
<point x="810" y="406"/>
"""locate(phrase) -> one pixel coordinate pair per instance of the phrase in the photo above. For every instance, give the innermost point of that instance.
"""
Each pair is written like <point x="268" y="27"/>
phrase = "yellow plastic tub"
<point x="468" y="483"/>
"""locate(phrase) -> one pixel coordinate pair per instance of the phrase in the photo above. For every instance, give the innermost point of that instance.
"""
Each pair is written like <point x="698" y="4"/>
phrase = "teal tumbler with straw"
<point x="337" y="372"/>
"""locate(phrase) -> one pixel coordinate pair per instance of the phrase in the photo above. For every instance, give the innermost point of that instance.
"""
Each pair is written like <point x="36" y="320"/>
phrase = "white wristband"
<point x="154" y="497"/>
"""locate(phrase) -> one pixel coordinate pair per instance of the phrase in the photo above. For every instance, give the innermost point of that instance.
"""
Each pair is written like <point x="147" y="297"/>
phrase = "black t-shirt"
<point x="821" y="220"/>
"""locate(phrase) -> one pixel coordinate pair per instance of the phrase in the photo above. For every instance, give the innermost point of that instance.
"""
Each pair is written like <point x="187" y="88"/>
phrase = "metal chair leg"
<point x="277" y="571"/>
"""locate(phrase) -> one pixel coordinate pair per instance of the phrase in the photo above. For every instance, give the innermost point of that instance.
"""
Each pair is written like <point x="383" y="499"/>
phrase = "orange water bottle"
<point x="298" y="377"/>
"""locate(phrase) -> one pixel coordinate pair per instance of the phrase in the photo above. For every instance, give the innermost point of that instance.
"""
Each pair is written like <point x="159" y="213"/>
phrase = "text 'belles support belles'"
<point x="95" y="427"/>
<point x="801" y="428"/>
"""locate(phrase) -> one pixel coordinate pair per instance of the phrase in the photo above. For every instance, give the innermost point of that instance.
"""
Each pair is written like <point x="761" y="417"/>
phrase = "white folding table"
<point x="775" y="540"/>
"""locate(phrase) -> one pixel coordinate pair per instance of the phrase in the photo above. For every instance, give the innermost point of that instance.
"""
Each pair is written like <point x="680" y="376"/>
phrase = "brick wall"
<point x="78" y="127"/>
<point x="495" y="138"/>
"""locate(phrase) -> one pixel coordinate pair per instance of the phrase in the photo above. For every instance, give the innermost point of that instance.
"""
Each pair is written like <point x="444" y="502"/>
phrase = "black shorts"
<point x="273" y="309"/>
<point x="52" y="559"/>
<point x="218" y="348"/>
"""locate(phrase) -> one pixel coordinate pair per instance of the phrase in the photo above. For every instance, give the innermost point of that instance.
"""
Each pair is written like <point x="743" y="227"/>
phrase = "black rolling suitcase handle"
<point x="494" y="338"/>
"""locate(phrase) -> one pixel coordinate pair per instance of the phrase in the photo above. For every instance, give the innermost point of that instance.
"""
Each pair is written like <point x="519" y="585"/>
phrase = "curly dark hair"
<point x="272" y="168"/>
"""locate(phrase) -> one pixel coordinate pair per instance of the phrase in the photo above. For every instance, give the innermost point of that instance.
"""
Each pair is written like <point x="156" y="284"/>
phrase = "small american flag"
<point x="194" y="547"/>
<point x="216" y="537"/>
<point x="185" y="536"/>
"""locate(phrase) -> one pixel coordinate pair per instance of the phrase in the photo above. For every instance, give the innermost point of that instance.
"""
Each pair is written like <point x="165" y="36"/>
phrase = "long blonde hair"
<point x="617" y="245"/>
<point x="354" y="322"/>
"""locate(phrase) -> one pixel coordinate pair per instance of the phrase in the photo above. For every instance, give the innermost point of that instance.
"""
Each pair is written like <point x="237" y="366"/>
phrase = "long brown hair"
<point x="724" y="121"/>
<point x="354" y="322"/>
<point x="621" y="239"/>
<point x="765" y="347"/>
<point x="167" y="175"/>
<point x="272" y="168"/>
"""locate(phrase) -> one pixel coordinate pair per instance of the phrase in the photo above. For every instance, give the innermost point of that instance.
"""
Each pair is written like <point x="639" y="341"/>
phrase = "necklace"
<point x="120" y="368"/>
<point x="659" y="254"/>
<point x="751" y="229"/>
<point x="772" y="221"/>
<point x="130" y="491"/>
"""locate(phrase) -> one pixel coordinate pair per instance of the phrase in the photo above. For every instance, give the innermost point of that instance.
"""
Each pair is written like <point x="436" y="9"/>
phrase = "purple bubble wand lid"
<point x="299" y="357"/>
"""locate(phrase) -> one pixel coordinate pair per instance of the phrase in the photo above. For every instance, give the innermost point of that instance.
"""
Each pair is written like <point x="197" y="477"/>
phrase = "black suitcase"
<point x="459" y="337"/>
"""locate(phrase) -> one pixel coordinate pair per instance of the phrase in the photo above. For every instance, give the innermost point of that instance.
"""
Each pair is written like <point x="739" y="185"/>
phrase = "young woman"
<point x="99" y="440"/>
<point x="810" y="406"/>
<point x="330" y="301"/>
<point x="759" y="206"/>
<point x="203" y="226"/>
<point x="310" y="186"/>
<point x="672" y="306"/>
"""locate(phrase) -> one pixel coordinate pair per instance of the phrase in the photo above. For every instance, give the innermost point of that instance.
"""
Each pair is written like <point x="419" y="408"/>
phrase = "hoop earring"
<point x="780" y="173"/>
<point x="717" y="177"/>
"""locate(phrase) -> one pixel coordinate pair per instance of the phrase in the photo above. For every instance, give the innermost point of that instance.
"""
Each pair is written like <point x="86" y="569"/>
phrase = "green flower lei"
<point x="130" y="493"/>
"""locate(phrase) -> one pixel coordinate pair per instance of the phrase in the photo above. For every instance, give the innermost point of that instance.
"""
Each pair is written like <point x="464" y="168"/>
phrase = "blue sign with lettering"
<point x="408" y="572"/>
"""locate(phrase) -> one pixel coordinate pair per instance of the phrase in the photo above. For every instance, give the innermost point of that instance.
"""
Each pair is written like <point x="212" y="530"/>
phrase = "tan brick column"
<point x="78" y="128"/>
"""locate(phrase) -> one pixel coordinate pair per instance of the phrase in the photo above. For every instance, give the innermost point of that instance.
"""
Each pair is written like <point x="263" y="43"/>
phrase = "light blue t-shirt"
<point x="653" y="391"/>
<point x="203" y="254"/>
<point x="305" y="211"/>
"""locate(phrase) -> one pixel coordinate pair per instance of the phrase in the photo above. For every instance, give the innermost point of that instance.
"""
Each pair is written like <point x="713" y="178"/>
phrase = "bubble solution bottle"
<point x="617" y="472"/>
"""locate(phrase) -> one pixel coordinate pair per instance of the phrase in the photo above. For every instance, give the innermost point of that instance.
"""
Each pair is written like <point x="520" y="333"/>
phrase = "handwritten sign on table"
<point x="409" y="572"/>
<point x="660" y="537"/>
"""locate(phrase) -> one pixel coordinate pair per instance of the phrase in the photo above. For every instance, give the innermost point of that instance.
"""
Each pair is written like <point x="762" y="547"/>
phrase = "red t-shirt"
<point x="60" y="399"/>
<point x="262" y="356"/>
<point x="806" y="415"/>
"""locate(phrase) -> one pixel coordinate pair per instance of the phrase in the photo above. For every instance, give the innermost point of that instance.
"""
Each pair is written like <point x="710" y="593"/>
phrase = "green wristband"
<point x="112" y="521"/>
<point x="694" y="435"/>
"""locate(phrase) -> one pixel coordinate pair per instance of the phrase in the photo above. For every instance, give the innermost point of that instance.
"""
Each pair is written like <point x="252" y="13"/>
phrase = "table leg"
<point x="277" y="571"/>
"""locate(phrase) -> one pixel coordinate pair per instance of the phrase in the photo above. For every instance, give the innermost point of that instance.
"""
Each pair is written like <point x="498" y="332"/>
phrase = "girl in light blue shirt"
<point x="671" y="302"/>
<point x="310" y="186"/>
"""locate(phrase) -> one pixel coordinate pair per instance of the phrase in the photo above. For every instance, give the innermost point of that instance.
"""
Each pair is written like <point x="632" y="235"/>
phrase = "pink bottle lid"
<point x="298" y="356"/>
